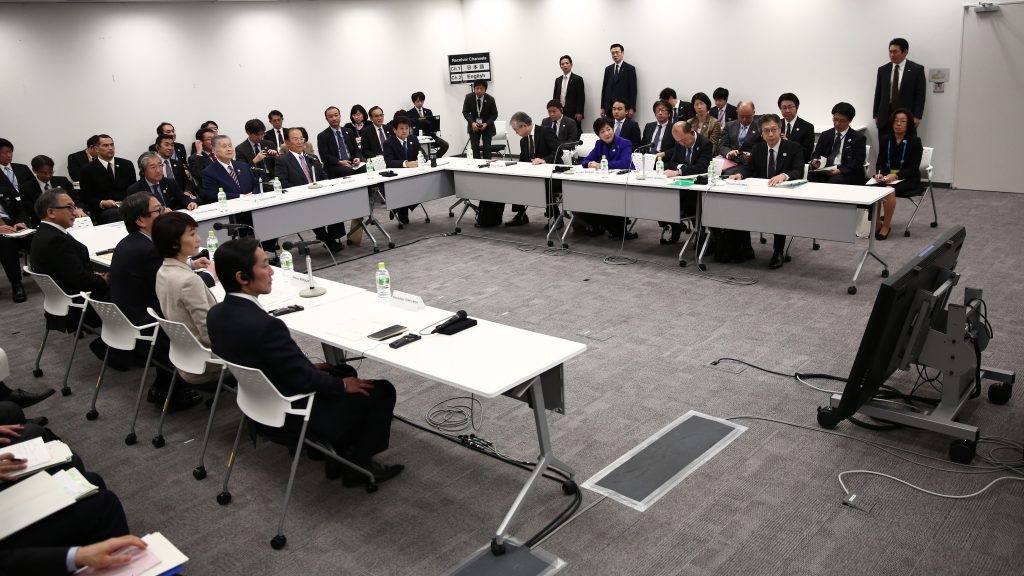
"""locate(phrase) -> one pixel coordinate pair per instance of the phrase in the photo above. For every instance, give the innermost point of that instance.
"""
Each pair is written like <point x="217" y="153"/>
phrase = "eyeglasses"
<point x="767" y="130"/>
<point x="71" y="207"/>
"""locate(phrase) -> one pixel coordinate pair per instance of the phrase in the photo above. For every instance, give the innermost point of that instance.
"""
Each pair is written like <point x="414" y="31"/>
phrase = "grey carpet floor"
<point x="768" y="504"/>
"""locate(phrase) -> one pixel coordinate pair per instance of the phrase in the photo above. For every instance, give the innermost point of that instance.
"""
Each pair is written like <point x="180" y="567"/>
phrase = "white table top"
<point x="498" y="167"/>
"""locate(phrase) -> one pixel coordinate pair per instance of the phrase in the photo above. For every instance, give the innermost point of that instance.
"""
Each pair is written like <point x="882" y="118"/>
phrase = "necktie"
<point x="305" y="169"/>
<point x="159" y="196"/>
<point x="788" y="127"/>
<point x="721" y="117"/>
<point x="895" y="85"/>
<point x="405" y="149"/>
<point x="46" y="186"/>
<point x="836" y="144"/>
<point x="234" y="177"/>
<point x="675" y="114"/>
<point x="110" y="169"/>
<point x="657" y="139"/>
<point x="532" y="149"/>
<point x="380" y="134"/>
<point x="342" y="149"/>
<point x="771" y="163"/>
<point x="616" y="71"/>
<point x="618" y="127"/>
<point x="479" y="106"/>
<point x="280" y="138"/>
<point x="565" y="87"/>
<point x="743" y="134"/>
<point x="10" y="176"/>
<point x="689" y="153"/>
<point x="168" y="173"/>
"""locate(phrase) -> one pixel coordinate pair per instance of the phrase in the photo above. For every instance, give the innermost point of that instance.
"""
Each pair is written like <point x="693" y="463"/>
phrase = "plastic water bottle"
<point x="383" y="283"/>
<point x="604" y="164"/>
<point x="420" y="160"/>
<point x="469" y="149"/>
<point x="222" y="200"/>
<point x="659" y="167"/>
<point x="211" y="242"/>
<point x="287" y="264"/>
<point x="711" y="173"/>
<point x="371" y="169"/>
<point x="277" y="185"/>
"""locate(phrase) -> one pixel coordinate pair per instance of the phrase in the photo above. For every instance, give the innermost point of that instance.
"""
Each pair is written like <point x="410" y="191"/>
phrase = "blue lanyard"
<point x="903" y="153"/>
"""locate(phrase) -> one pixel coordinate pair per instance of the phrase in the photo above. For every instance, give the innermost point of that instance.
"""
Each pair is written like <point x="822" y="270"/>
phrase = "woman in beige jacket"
<point x="704" y="123"/>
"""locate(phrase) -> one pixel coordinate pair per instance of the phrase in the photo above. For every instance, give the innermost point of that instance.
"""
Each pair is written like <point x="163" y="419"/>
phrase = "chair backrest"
<point x="187" y="353"/>
<point x="867" y="154"/>
<point x="5" y="365"/>
<point x="589" y="141"/>
<point x="926" y="158"/>
<point x="259" y="400"/>
<point x="499" y="130"/>
<point x="55" y="301"/>
<point x="117" y="331"/>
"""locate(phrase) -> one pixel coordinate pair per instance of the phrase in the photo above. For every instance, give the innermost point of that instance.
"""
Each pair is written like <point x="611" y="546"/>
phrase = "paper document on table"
<point x="29" y="501"/>
<point x="873" y="182"/>
<point x="649" y="160"/>
<point x="20" y="233"/>
<point x="142" y="560"/>
<point x="74" y="484"/>
<point x="169" y="555"/>
<point x="792" y="183"/>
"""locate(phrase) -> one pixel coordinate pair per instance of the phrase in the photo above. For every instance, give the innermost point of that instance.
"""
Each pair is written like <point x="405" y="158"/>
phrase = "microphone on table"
<point x="456" y="323"/>
<point x="314" y="161"/>
<point x="558" y="168"/>
<point x="232" y="228"/>
<point x="303" y="247"/>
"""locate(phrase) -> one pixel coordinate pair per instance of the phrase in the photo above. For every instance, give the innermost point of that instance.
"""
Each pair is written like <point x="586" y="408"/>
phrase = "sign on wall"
<point x="465" y="68"/>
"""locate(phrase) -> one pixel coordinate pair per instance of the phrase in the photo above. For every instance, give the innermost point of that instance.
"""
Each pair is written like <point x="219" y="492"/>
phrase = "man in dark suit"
<point x="351" y="414"/>
<point x="900" y="84"/>
<point x="105" y="181"/>
<point x="178" y="152"/>
<point x="795" y="128"/>
<point x="564" y="127"/>
<point x="294" y="168"/>
<point x="44" y="179"/>
<point x="197" y="163"/>
<point x="739" y="137"/>
<point x="569" y="92"/>
<point x="842" y="148"/>
<point x="13" y="178"/>
<point x="337" y="146"/>
<point x="375" y="133"/>
<point x="777" y="160"/>
<point x="680" y="110"/>
<point x="154" y="181"/>
<point x="174" y="169"/>
<point x="227" y="173"/>
<point x="691" y="155"/>
<point x="77" y="161"/>
<point x="480" y="111"/>
<point x="537" y="145"/>
<point x="619" y="82"/>
<point x="257" y="152"/>
<point x="419" y="116"/>
<point x="722" y="110"/>
<point x="276" y="132"/>
<point x="401" y="150"/>
<point x="658" y="134"/>
<point x="623" y="126"/>
<point x="41" y="559"/>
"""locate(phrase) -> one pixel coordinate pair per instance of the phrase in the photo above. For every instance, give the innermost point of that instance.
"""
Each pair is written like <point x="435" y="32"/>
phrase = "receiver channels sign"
<point x="465" y="68"/>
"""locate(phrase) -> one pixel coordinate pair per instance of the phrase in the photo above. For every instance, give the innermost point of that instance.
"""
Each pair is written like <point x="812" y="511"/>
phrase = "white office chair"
<point x="925" y="190"/>
<point x="589" y="141"/>
<point x="119" y="333"/>
<point x="867" y="163"/>
<point x="262" y="403"/>
<point x="56" y="306"/>
<point x="499" y="142"/>
<point x="187" y="354"/>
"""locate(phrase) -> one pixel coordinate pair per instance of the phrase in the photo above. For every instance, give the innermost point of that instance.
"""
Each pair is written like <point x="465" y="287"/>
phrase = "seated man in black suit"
<point x="46" y="560"/>
<point x="722" y="111"/>
<point x="419" y="117"/>
<point x="77" y="161"/>
<point x="625" y="127"/>
<point x="178" y="152"/>
<point x="375" y="133"/>
<point x="198" y="162"/>
<point x="295" y="168"/>
<point x="739" y="137"/>
<point x="257" y="152"/>
<point x="795" y="128"/>
<point x="155" y="182"/>
<point x="691" y="155"/>
<point x="105" y="182"/>
<point x="44" y="180"/>
<point x="13" y="177"/>
<point x="777" y="160"/>
<point x="843" y="149"/>
<point x="351" y="414"/>
<point x="564" y="127"/>
<point x="173" y="168"/>
<point x="681" y="110"/>
<point x="338" y="148"/>
<point x="401" y="150"/>
<point x="537" y="145"/>
<point x="658" y="134"/>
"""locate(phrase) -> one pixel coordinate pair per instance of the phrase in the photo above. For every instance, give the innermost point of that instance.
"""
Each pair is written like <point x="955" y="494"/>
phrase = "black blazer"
<point x="700" y="157"/>
<point x="789" y="160"/>
<point x="97" y="184"/>
<point x="621" y="88"/>
<point x="905" y="157"/>
<point x="489" y="112"/>
<point x="394" y="155"/>
<point x="327" y="144"/>
<point x="566" y="131"/>
<point x="290" y="171"/>
<point x="544" y="144"/>
<point x="630" y="131"/>
<point x="180" y="154"/>
<point x="803" y="134"/>
<point x="414" y="119"/>
<point x="371" y="144"/>
<point x="912" y="91"/>
<point x="244" y="153"/>
<point x="64" y="259"/>
<point x="77" y="161"/>
<point x="682" y="111"/>
<point x="196" y="164"/>
<point x="575" y="96"/>
<point x="851" y="165"/>
<point x="133" y="269"/>
<point x="11" y="203"/>
<point x="667" y="141"/>
<point x="16" y="198"/>
<point x="271" y="136"/>
<point x="172" y="196"/>
<point x="30" y="192"/>
<point x="39" y="561"/>
<point x="730" y="112"/>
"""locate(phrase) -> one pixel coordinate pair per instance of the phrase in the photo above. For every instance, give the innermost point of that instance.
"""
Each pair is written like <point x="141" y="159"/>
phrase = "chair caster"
<point x="551" y="243"/>
<point x="131" y="439"/>
<point x="851" y="290"/>
<point x="92" y="415"/>
<point x="787" y="258"/>
<point x="764" y="240"/>
<point x="278" y="542"/>
<point x="569" y="487"/>
<point x="564" y="245"/>
<point x="885" y="273"/>
<point x="401" y="226"/>
<point x="391" y="244"/>
<point x="815" y="246"/>
<point x="224" y="498"/>
<point x="682" y="263"/>
<point x="371" y="487"/>
<point x="662" y="241"/>
<point x="37" y="372"/>
<point x="702" y="267"/>
<point x="65" y="391"/>
<point x="199" y="472"/>
<point x="451" y="215"/>
<point x="427" y="220"/>
<point x="906" y="233"/>
<point x="827" y="418"/>
<point x="158" y="441"/>
<point x="497" y="549"/>
<point x="458" y="230"/>
<point x="375" y="249"/>
<point x="962" y="451"/>
<point x="547" y="227"/>
<point x="1000" y="393"/>
<point x="934" y="224"/>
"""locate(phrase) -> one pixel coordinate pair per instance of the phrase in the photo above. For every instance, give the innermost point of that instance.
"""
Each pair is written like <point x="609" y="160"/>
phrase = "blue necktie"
<point x="618" y="127"/>
<point x="159" y="196"/>
<point x="743" y="134"/>
<point x="12" y="178"/>
<point x="342" y="149"/>
<point x="657" y="139"/>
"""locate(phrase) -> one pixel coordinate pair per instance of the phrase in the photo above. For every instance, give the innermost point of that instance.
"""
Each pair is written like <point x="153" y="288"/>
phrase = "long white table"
<point x="519" y="183"/>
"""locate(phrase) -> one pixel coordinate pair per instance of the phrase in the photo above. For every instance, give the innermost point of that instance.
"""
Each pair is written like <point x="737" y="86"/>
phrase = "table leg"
<point x="870" y="251"/>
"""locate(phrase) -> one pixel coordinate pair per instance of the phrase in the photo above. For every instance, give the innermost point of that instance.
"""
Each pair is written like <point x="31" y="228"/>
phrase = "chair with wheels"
<point x="924" y="191"/>
<point x="263" y="404"/>
<point x="499" y="142"/>
<point x="56" y="311"/>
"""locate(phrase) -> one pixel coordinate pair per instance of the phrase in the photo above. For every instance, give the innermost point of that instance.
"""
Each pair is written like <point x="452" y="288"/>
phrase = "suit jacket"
<point x="575" y="96"/>
<point x="133" y="270"/>
<point x="619" y="153"/>
<point x="244" y="153"/>
<point x="216" y="176"/>
<point x="197" y="163"/>
<point x="97" y="184"/>
<point x="803" y="134"/>
<point x="271" y="136"/>
<point x="64" y="259"/>
<point x="179" y="155"/>
<point x="904" y="157"/>
<point x="178" y="168"/>
<point x="14" y="199"/>
<point x="630" y="131"/>
<point x="667" y="141"/>
<point x="417" y="124"/>
<point x="77" y="161"/>
<point x="682" y="111"/>
<point x="622" y="87"/>
<point x="394" y="155"/>
<point x="789" y="160"/>
<point x="184" y="297"/>
<point x="851" y="164"/>
<point x="700" y="157"/>
<point x="171" y="195"/>
<point x="371" y="144"/>
<point x="565" y="131"/>
<point x="327" y="144"/>
<point x="710" y="129"/>
<point x="489" y="112"/>
<point x="30" y="192"/>
<point x="39" y="561"/>
<point x="289" y="171"/>
<point x="730" y="112"/>
<point x="731" y="138"/>
<point x="10" y="201"/>
<point x="544" y="144"/>
<point x="911" y="93"/>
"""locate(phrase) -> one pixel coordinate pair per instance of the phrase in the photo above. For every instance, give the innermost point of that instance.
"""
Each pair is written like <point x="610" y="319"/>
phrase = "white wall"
<point x="824" y="51"/>
<point x="72" y="70"/>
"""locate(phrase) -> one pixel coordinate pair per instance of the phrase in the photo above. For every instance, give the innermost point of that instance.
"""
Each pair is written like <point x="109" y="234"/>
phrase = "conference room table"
<point x="474" y="361"/>
<point x="509" y="182"/>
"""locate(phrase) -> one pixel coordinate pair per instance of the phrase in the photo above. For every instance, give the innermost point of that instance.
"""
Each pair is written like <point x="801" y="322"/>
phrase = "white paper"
<point x="20" y="233"/>
<point x="649" y="160"/>
<point x="74" y="484"/>
<point x="38" y="454"/>
<point x="873" y="182"/>
<point x="29" y="501"/>
<point x="169" y="555"/>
